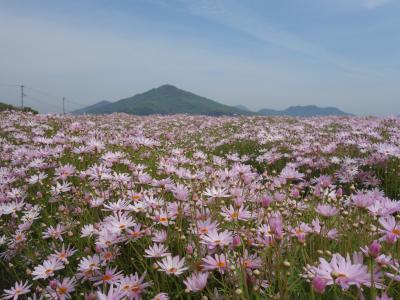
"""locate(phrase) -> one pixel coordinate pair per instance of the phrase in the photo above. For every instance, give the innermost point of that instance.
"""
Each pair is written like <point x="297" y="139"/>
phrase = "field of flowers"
<point x="196" y="207"/>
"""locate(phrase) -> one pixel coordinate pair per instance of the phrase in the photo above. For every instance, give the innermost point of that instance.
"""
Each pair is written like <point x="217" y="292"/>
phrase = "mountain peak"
<point x="167" y="87"/>
<point x="167" y="99"/>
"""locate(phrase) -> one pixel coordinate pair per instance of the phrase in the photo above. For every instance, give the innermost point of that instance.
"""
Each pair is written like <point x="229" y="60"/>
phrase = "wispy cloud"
<point x="358" y="4"/>
<point x="91" y="63"/>
<point x="371" y="4"/>
<point x="87" y="65"/>
<point x="238" y="17"/>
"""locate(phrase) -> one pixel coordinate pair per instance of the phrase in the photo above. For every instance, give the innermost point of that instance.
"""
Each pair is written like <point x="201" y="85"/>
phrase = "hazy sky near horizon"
<point x="262" y="54"/>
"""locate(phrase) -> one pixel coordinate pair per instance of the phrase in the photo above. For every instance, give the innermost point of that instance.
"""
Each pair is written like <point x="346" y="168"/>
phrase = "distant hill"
<point x="242" y="107"/>
<point x="166" y="99"/>
<point x="4" y="107"/>
<point x="304" y="111"/>
<point x="90" y="107"/>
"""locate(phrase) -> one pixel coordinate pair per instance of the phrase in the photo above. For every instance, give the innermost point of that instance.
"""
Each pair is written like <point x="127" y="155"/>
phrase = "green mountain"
<point x="304" y="111"/>
<point x="4" y="107"/>
<point x="166" y="99"/>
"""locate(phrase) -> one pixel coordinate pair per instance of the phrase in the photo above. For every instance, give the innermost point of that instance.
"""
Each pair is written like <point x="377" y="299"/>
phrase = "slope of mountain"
<point x="167" y="99"/>
<point x="242" y="107"/>
<point x="304" y="111"/>
<point x="90" y="107"/>
<point x="270" y="112"/>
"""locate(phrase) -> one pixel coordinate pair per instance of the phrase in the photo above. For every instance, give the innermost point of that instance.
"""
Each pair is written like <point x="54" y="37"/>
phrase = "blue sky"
<point x="263" y="54"/>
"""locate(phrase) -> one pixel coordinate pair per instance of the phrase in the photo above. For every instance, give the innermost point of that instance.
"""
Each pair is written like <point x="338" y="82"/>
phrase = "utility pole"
<point x="22" y="96"/>
<point x="63" y="100"/>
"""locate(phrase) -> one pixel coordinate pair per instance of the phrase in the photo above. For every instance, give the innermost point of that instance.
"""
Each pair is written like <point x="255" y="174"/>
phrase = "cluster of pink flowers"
<point x="159" y="207"/>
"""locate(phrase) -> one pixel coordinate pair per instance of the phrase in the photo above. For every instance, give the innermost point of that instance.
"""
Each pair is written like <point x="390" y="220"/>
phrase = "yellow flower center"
<point x="135" y="288"/>
<point x="221" y="264"/>
<point x="107" y="277"/>
<point x="172" y="270"/>
<point x="298" y="231"/>
<point x="62" y="290"/>
<point x="136" y="197"/>
<point x="234" y="215"/>
<point x="107" y="256"/>
<point x="204" y="230"/>
<point x="396" y="231"/>
<point x="135" y="233"/>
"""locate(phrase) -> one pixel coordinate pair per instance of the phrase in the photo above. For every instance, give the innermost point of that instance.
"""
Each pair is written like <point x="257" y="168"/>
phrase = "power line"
<point x="8" y="85"/>
<point x="81" y="105"/>
<point x="29" y="97"/>
<point x="55" y="97"/>
<point x="43" y="93"/>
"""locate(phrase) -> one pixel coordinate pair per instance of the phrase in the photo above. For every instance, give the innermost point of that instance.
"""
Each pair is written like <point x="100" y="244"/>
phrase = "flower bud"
<point x="266" y="201"/>
<point x="189" y="249"/>
<point x="236" y="241"/>
<point x="319" y="285"/>
<point x="53" y="284"/>
<point x="374" y="249"/>
<point x="295" y="193"/>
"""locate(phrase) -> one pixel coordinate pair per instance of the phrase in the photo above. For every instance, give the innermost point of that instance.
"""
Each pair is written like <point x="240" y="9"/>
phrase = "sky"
<point x="258" y="53"/>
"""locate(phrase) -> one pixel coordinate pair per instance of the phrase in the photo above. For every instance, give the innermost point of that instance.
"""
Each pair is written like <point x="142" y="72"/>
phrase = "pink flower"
<point x="61" y="289"/>
<point x="384" y="296"/>
<point x="391" y="229"/>
<point x="180" y="192"/>
<point x="343" y="271"/>
<point x="289" y="172"/>
<point x="218" y="262"/>
<point x="214" y="239"/>
<point x="326" y="210"/>
<point x="64" y="254"/>
<point x="156" y="251"/>
<point x="233" y="214"/>
<point x="250" y="261"/>
<point x="173" y="265"/>
<point x="110" y="276"/>
<point x="54" y="233"/>
<point x="20" y="288"/>
<point x="133" y="286"/>
<point x="161" y="296"/>
<point x="113" y="294"/>
<point x="204" y="227"/>
<point x="301" y="232"/>
<point x="196" y="282"/>
<point x="47" y="269"/>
